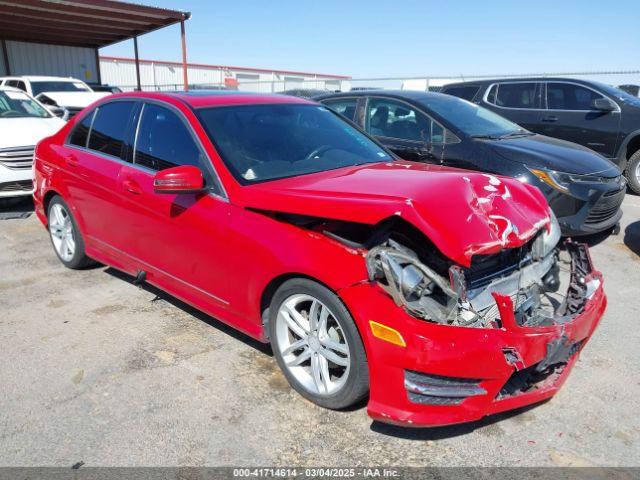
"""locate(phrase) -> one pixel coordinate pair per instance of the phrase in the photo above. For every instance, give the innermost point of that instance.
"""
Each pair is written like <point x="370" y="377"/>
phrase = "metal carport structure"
<point x="87" y="23"/>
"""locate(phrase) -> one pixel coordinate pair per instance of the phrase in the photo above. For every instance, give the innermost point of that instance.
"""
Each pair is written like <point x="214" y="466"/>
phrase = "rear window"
<point x="514" y="95"/>
<point x="80" y="132"/>
<point x="466" y="92"/>
<point x="109" y="127"/>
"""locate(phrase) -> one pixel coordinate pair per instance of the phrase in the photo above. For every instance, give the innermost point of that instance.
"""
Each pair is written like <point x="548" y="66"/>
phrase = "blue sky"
<point x="402" y="37"/>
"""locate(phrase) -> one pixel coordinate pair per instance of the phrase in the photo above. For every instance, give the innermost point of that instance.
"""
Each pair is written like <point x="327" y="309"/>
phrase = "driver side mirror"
<point x="603" y="104"/>
<point x="181" y="179"/>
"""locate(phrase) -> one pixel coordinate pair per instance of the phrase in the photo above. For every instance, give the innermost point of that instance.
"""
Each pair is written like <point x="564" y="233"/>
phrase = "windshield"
<point x="473" y="120"/>
<point x="19" y="104"/>
<point x="57" y="86"/>
<point x="266" y="142"/>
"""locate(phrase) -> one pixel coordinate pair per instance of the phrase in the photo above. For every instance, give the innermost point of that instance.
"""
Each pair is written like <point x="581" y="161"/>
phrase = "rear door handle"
<point x="132" y="186"/>
<point x="550" y="119"/>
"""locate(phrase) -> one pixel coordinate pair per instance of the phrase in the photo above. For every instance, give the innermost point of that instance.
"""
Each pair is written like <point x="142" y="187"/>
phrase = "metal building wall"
<point x="56" y="60"/>
<point x="165" y="76"/>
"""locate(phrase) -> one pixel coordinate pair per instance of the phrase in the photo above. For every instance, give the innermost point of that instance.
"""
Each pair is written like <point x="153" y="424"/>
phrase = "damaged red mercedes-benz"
<point x="442" y="294"/>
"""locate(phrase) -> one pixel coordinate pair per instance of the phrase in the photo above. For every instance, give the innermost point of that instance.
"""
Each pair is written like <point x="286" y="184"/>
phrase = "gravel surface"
<point x="95" y="369"/>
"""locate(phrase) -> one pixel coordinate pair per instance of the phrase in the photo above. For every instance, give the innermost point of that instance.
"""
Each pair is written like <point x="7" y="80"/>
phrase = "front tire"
<point x="65" y="235"/>
<point x="633" y="172"/>
<point x="317" y="345"/>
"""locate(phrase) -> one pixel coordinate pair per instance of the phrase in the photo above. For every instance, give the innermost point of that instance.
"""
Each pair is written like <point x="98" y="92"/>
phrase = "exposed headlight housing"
<point x="547" y="240"/>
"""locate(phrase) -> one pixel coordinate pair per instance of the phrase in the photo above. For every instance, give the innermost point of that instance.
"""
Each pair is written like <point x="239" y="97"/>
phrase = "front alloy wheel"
<point x="312" y="344"/>
<point x="317" y="344"/>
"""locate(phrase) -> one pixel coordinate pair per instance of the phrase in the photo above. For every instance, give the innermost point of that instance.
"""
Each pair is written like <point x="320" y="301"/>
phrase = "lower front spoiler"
<point x="488" y="358"/>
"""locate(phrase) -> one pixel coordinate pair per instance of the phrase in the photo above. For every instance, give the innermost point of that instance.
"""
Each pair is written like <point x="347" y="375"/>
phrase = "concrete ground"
<point x="95" y="369"/>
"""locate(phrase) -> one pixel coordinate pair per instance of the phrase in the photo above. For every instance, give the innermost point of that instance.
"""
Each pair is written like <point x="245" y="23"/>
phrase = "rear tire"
<point x="633" y="172"/>
<point x="317" y="345"/>
<point x="65" y="235"/>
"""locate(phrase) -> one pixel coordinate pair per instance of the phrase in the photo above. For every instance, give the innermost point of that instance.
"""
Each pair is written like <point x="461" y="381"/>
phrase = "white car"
<point x="68" y="93"/>
<point x="23" y="123"/>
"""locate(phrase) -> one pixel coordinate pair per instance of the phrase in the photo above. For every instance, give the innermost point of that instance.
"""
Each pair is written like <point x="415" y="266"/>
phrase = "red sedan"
<point x="442" y="294"/>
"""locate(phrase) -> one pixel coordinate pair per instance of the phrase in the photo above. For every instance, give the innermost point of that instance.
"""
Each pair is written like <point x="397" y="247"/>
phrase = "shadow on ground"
<point x="160" y="294"/>
<point x="451" y="431"/>
<point x="14" y="208"/>
<point x="632" y="237"/>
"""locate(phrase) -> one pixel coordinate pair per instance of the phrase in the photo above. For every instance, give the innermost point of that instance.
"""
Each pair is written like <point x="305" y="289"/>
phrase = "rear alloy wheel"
<point x="65" y="235"/>
<point x="317" y="345"/>
<point x="633" y="172"/>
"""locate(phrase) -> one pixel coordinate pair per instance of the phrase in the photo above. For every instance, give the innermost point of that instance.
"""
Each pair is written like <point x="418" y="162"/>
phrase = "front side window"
<point x="164" y="141"/>
<point x="344" y="106"/>
<point x="38" y="87"/>
<point x="15" y="104"/>
<point x="388" y="118"/>
<point x="514" y="95"/>
<point x="568" y="96"/>
<point x="267" y="142"/>
<point x="109" y="127"/>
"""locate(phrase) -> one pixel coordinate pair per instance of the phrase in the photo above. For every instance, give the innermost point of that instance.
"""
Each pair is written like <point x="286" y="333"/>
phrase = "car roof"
<point x="415" y="95"/>
<point x="41" y="78"/>
<point x="11" y="89"/>
<point x="212" y="98"/>
<point x="521" y="79"/>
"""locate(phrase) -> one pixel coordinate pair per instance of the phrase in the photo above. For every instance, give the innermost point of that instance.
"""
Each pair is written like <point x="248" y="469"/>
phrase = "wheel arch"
<point x="275" y="283"/>
<point x="630" y="145"/>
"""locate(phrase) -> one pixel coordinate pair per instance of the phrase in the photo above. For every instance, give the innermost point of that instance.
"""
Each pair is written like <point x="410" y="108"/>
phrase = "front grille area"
<point x="606" y="207"/>
<point x="437" y="390"/>
<point x="17" y="158"/>
<point x="485" y="268"/>
<point x="20" y="186"/>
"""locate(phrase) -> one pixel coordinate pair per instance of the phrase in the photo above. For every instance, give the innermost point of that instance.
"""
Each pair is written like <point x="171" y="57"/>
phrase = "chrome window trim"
<point x="214" y="174"/>
<point x="544" y="96"/>
<point x="413" y="107"/>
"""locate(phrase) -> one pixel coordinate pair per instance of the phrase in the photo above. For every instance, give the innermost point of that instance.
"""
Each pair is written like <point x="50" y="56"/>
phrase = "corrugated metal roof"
<point x="86" y="23"/>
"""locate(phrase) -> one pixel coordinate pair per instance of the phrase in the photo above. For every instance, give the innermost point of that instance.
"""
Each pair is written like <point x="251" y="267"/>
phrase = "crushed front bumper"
<point x="449" y="374"/>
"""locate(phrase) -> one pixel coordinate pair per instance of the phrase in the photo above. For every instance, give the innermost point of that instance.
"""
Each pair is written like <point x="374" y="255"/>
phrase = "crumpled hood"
<point x="463" y="213"/>
<point x="554" y="154"/>
<point x="24" y="132"/>
<point x="73" y="99"/>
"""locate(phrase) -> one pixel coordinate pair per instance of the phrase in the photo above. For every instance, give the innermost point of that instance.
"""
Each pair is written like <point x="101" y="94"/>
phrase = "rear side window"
<point x="466" y="92"/>
<point x="567" y="96"/>
<point x="110" y="127"/>
<point x="164" y="141"/>
<point x="344" y="106"/>
<point x="81" y="131"/>
<point x="515" y="95"/>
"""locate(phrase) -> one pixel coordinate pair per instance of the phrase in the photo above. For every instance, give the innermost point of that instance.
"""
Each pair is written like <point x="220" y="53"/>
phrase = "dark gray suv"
<point x="598" y="116"/>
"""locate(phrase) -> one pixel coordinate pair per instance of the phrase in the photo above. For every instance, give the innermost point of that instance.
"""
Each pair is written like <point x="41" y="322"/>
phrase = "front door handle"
<point x="132" y="186"/>
<point x="550" y="119"/>
<point x="71" y="160"/>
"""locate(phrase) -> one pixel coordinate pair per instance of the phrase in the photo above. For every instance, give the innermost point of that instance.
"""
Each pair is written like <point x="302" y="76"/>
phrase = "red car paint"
<point x="220" y="255"/>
